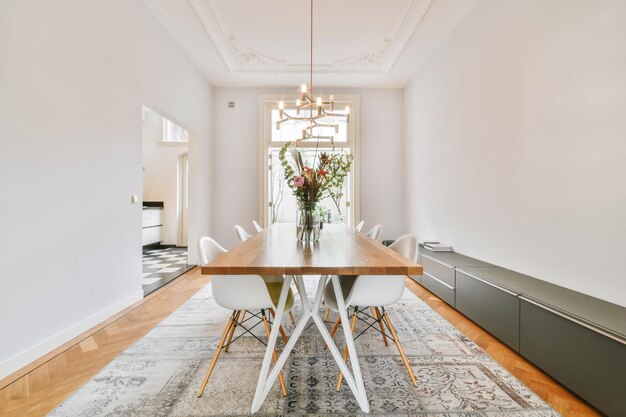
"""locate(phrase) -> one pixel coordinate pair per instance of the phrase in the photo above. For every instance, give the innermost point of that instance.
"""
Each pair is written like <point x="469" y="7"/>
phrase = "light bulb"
<point x="281" y="105"/>
<point x="347" y="109"/>
<point x="298" y="103"/>
<point x="319" y="102"/>
<point x="332" y="98"/>
<point x="303" y="88"/>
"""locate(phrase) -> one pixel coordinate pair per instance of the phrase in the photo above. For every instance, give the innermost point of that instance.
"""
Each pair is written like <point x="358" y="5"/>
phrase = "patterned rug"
<point x="160" y="374"/>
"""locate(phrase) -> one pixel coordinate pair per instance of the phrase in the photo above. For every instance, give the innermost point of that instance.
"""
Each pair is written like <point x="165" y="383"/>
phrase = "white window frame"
<point x="168" y="141"/>
<point x="269" y="102"/>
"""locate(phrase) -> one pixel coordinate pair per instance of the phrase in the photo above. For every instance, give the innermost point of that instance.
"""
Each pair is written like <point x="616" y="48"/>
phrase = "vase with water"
<point x="307" y="222"/>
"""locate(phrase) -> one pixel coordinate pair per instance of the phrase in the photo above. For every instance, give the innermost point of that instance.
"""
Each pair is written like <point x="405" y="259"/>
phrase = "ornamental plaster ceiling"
<point x="357" y="43"/>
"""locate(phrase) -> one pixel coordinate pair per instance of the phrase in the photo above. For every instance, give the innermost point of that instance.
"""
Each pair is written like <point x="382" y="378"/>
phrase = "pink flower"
<point x="298" y="181"/>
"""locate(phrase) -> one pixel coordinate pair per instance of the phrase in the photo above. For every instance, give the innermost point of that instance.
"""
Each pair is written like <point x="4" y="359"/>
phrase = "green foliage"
<point x="324" y="180"/>
<point x="339" y="168"/>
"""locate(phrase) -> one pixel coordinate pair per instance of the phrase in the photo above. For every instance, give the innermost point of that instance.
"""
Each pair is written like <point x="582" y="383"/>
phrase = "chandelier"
<point x="321" y="113"/>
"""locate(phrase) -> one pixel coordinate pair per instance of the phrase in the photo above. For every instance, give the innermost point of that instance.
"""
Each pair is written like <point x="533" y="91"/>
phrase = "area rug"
<point x="160" y="374"/>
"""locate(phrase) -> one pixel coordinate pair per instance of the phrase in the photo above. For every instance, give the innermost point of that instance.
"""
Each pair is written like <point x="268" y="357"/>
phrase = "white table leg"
<point x="266" y="381"/>
<point x="359" y="390"/>
<point x="264" y="384"/>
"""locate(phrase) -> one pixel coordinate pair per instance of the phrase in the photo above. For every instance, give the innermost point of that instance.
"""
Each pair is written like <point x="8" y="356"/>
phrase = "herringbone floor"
<point x="561" y="399"/>
<point x="55" y="377"/>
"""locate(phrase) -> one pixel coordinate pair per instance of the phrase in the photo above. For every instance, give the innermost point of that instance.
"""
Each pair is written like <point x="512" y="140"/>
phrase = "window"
<point x="278" y="203"/>
<point x="174" y="133"/>
<point x="291" y="130"/>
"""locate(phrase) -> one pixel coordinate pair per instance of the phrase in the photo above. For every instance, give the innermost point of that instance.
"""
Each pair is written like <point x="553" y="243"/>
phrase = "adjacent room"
<point x="313" y="208"/>
<point x="165" y="202"/>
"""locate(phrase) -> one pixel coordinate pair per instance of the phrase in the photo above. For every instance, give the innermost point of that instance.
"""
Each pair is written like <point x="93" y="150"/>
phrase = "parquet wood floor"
<point x="48" y="385"/>
<point x="559" y="397"/>
<point x="50" y="381"/>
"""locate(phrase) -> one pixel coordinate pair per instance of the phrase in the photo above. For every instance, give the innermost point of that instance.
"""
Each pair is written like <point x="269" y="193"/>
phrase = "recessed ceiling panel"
<point x="362" y="43"/>
<point x="274" y="35"/>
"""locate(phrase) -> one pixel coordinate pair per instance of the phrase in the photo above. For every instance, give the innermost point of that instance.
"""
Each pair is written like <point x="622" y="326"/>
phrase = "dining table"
<point x="340" y="250"/>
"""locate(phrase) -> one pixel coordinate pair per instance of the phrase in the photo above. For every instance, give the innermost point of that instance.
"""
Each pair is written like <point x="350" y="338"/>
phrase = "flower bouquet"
<point x="310" y="184"/>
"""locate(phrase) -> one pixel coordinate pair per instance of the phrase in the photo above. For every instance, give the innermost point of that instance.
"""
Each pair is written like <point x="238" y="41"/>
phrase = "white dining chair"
<point x="374" y="292"/>
<point x="275" y="279"/>
<point x="241" y="233"/>
<point x="257" y="226"/>
<point x="375" y="232"/>
<point x="242" y="294"/>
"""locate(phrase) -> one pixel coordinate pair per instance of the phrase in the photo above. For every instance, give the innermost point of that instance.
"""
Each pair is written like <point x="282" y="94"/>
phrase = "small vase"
<point x="307" y="223"/>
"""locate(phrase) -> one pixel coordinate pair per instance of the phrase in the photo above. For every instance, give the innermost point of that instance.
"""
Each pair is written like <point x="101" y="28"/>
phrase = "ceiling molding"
<point x="247" y="58"/>
<point x="215" y="28"/>
<point x="200" y="62"/>
<point x="236" y="56"/>
<point x="437" y="41"/>
<point x="386" y="57"/>
<point x="240" y="58"/>
<point x="245" y="53"/>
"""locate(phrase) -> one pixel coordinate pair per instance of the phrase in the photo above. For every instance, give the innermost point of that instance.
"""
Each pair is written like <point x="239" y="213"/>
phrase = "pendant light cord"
<point x="317" y="142"/>
<point x="311" y="61"/>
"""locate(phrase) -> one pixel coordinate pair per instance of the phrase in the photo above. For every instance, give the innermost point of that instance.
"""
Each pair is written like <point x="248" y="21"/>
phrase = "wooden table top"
<point x="340" y="251"/>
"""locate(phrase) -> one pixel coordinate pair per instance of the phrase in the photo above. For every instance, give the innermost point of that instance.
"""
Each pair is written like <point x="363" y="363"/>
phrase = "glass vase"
<point x="307" y="223"/>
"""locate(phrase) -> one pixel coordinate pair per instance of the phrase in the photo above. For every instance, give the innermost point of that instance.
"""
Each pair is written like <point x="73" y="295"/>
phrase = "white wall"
<point x="73" y="78"/>
<point x="382" y="185"/>
<point x="236" y="159"/>
<point x="516" y="141"/>
<point x="160" y="174"/>
<point x="172" y="86"/>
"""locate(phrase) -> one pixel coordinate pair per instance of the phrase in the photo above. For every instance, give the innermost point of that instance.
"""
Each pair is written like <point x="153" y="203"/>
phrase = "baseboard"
<point x="31" y="354"/>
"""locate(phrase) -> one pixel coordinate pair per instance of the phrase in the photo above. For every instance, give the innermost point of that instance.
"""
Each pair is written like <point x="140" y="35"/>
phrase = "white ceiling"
<point x="357" y="43"/>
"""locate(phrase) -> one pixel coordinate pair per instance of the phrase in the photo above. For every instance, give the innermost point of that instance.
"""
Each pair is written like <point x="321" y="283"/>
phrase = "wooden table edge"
<point x="312" y="270"/>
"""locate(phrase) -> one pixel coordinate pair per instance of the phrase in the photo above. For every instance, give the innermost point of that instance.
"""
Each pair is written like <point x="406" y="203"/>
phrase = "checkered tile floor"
<point x="160" y="266"/>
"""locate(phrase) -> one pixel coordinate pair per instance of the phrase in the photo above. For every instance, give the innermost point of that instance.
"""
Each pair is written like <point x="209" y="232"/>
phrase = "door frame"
<point x="266" y="102"/>
<point x="182" y="191"/>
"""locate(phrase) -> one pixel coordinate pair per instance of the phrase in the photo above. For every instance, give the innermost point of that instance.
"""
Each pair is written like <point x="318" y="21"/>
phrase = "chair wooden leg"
<point x="378" y="316"/>
<point x="327" y="313"/>
<point x="334" y="330"/>
<point x="216" y="355"/>
<point x="399" y="346"/>
<point x="293" y="319"/>
<point x="295" y="281"/>
<point x="282" y="331"/>
<point x="232" y="330"/>
<point x="283" y="387"/>
<point x="345" y="350"/>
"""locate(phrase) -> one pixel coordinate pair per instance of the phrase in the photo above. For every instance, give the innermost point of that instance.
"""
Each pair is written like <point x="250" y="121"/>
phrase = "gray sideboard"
<point x="439" y="272"/>
<point x="579" y="356"/>
<point x="577" y="339"/>
<point x="493" y="307"/>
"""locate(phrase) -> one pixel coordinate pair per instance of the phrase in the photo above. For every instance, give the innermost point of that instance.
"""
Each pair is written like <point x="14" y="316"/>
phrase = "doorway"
<point x="183" y="197"/>
<point x="165" y="200"/>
